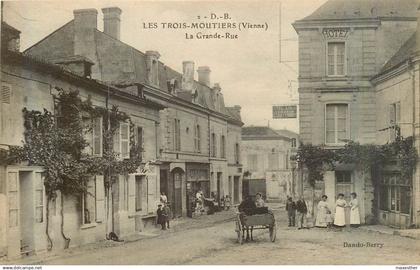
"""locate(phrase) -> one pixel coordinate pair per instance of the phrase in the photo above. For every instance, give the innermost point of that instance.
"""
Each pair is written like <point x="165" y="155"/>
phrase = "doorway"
<point x="219" y="188"/>
<point x="177" y="176"/>
<point x="26" y="216"/>
<point x="236" y="189"/>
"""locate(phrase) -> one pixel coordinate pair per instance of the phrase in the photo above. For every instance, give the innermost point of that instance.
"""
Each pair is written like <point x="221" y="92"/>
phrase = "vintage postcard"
<point x="210" y="133"/>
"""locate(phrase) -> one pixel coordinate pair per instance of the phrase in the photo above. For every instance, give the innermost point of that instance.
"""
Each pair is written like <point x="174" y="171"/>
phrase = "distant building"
<point x="267" y="162"/>
<point x="358" y="77"/>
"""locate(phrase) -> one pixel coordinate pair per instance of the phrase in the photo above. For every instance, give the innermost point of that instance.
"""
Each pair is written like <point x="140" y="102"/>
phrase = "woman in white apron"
<point x="323" y="210"/>
<point x="354" y="211"/>
<point x="339" y="217"/>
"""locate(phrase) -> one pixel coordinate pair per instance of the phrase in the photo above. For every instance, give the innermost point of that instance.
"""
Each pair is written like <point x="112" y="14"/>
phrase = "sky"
<point x="247" y="68"/>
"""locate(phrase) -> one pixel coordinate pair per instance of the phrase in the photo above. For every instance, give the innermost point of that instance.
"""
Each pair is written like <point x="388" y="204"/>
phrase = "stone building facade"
<point x="267" y="163"/>
<point x="342" y="46"/>
<point x="196" y="128"/>
<point x="30" y="83"/>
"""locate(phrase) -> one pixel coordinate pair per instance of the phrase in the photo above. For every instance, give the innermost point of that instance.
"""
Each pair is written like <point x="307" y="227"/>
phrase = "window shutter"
<point x="398" y="112"/>
<point x="100" y="198"/>
<point x="6" y="93"/>
<point x="125" y="140"/>
<point x="116" y="141"/>
<point x="97" y="136"/>
<point x="87" y="123"/>
<point x="151" y="192"/>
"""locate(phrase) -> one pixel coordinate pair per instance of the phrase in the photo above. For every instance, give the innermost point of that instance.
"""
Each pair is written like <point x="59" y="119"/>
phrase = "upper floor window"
<point x="336" y="58"/>
<point x="336" y="123"/>
<point x="252" y="161"/>
<point x="223" y="146"/>
<point x="237" y="154"/>
<point x="121" y="140"/>
<point x="97" y="136"/>
<point x="197" y="139"/>
<point x="394" y="120"/>
<point x="177" y="135"/>
<point x="213" y="145"/>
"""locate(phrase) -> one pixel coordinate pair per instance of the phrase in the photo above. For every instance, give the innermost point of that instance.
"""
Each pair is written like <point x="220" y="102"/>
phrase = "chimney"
<point x="152" y="66"/>
<point x="112" y="21"/>
<point x="85" y="25"/>
<point x="204" y="75"/>
<point x="187" y="75"/>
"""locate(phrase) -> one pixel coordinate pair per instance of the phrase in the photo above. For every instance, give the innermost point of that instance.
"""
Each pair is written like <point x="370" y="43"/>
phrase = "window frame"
<point x="396" y="117"/>
<point x="84" y="196"/>
<point x="100" y="137"/>
<point x="335" y="75"/>
<point x="222" y="146"/>
<point x="348" y="124"/>
<point x="124" y="140"/>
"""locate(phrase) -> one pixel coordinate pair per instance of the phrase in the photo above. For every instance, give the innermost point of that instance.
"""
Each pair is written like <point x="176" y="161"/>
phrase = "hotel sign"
<point x="331" y="33"/>
<point x="284" y="111"/>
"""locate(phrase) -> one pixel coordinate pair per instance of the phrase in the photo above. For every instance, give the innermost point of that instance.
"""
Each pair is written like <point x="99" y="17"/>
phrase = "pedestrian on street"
<point x="291" y="211"/>
<point x="161" y="220"/>
<point x="339" y="217"/>
<point x="167" y="213"/>
<point x="322" y="214"/>
<point x="302" y="210"/>
<point x="354" y="211"/>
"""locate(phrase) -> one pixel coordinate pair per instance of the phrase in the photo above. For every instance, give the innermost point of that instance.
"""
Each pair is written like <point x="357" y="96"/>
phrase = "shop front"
<point x="197" y="179"/>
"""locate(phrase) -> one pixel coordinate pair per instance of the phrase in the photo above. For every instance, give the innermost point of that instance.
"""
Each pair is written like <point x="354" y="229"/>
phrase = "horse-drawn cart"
<point x="246" y="222"/>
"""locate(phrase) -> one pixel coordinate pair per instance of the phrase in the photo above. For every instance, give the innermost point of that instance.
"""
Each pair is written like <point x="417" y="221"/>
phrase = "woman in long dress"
<point x="354" y="211"/>
<point x="339" y="218"/>
<point x="323" y="210"/>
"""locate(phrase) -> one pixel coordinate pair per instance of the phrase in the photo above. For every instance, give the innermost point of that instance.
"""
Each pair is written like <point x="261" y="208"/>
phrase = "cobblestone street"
<point x="212" y="240"/>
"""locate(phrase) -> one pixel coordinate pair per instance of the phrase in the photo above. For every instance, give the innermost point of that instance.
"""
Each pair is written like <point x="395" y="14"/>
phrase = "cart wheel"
<point x="239" y="232"/>
<point x="273" y="231"/>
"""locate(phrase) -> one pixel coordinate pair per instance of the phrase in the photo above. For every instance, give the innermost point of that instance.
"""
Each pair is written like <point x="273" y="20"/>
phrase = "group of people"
<point x="163" y="212"/>
<point x="324" y="219"/>
<point x="248" y="205"/>
<point x="301" y="208"/>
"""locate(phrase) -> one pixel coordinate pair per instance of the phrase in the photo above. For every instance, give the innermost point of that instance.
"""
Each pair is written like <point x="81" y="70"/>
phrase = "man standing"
<point x="302" y="210"/>
<point x="291" y="211"/>
<point x="168" y="213"/>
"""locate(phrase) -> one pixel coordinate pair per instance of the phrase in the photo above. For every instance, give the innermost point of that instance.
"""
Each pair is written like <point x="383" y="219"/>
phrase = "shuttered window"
<point x="125" y="140"/>
<point x="13" y="187"/>
<point x="6" y="93"/>
<point x="39" y="198"/>
<point x="97" y="136"/>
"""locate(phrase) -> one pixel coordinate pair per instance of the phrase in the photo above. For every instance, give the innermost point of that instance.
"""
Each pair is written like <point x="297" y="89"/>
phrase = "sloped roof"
<point x="113" y="55"/>
<point x="258" y="132"/>
<point x="402" y="55"/>
<point x="364" y="9"/>
<point x="287" y="133"/>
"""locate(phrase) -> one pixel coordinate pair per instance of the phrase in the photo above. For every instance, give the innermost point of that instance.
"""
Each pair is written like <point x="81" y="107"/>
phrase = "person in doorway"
<point x="354" y="211"/>
<point x="302" y="210"/>
<point x="199" y="208"/>
<point x="163" y="198"/>
<point x="339" y="217"/>
<point x="161" y="219"/>
<point x="227" y="202"/>
<point x="291" y="211"/>
<point x="259" y="202"/>
<point x="323" y="210"/>
<point x="168" y="214"/>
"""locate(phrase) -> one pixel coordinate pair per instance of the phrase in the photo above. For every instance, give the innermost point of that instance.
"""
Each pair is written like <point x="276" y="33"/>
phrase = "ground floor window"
<point x="141" y="192"/>
<point x="394" y="194"/>
<point x="344" y="184"/>
<point x="89" y="202"/>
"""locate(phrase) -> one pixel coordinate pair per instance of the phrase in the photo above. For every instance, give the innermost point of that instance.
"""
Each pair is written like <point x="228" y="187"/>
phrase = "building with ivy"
<point x="38" y="211"/>
<point x="199" y="136"/>
<point x="358" y="81"/>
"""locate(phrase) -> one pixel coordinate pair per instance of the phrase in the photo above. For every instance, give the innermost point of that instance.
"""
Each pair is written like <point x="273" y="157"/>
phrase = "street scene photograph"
<point x="210" y="133"/>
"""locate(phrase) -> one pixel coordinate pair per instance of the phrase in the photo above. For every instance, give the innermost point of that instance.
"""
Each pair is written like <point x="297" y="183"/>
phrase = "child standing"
<point x="161" y="217"/>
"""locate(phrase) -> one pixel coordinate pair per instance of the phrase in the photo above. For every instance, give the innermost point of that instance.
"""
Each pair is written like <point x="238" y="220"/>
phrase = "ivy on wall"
<point x="56" y="141"/>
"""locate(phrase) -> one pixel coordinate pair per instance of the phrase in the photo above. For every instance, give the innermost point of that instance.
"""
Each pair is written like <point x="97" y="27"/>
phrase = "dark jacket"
<point x="247" y="206"/>
<point x="160" y="216"/>
<point x="301" y="207"/>
<point x="290" y="207"/>
<point x="167" y="212"/>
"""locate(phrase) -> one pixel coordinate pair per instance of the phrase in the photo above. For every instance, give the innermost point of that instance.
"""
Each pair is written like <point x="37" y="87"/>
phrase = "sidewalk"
<point x="410" y="233"/>
<point x="177" y="225"/>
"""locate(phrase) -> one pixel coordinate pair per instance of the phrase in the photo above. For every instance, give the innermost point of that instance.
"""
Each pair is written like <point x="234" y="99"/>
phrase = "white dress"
<point x="340" y="218"/>
<point x="354" y="212"/>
